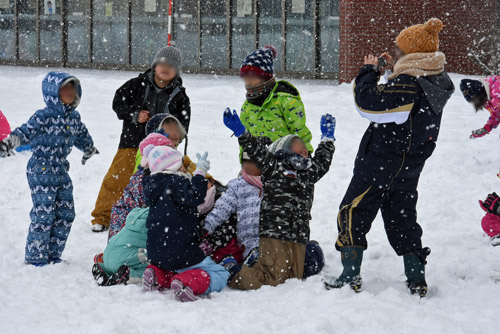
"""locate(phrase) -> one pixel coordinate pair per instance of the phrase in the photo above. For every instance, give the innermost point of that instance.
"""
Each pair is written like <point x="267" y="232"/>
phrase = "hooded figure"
<point x="52" y="132"/>
<point x="405" y="117"/>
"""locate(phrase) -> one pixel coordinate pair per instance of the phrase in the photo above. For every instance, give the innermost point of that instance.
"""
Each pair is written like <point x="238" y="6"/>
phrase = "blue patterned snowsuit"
<point x="52" y="132"/>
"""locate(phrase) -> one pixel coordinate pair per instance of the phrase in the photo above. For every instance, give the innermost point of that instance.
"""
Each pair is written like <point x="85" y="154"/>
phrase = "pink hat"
<point x="491" y="224"/>
<point x="154" y="139"/>
<point x="163" y="158"/>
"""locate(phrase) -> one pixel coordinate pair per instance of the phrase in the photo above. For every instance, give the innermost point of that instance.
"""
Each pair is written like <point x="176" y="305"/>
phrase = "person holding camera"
<point x="405" y="117"/>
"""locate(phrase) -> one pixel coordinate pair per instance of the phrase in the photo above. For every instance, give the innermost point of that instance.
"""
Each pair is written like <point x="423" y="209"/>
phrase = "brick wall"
<point x="371" y="27"/>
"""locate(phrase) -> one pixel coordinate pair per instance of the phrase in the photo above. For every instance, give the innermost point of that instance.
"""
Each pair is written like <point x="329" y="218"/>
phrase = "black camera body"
<point x="382" y="62"/>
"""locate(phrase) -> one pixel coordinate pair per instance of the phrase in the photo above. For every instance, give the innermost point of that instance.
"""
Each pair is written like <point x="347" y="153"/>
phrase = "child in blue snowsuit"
<point x="51" y="132"/>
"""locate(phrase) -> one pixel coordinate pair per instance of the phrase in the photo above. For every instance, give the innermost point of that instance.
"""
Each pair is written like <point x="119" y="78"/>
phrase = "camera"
<point x="382" y="62"/>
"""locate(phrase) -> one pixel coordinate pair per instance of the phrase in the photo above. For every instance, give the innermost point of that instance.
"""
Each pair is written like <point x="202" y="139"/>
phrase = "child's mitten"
<point x="479" y="133"/>
<point x="203" y="165"/>
<point x="8" y="145"/>
<point x="233" y="122"/>
<point x="328" y="124"/>
<point x="142" y="255"/>
<point x="491" y="204"/>
<point x="89" y="154"/>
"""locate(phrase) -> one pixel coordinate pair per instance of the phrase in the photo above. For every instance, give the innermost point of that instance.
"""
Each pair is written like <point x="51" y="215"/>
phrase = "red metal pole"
<point x="169" y="28"/>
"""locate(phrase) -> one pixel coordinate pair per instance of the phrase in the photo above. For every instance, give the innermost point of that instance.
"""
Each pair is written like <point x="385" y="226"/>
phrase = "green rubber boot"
<point x="415" y="274"/>
<point x="351" y="261"/>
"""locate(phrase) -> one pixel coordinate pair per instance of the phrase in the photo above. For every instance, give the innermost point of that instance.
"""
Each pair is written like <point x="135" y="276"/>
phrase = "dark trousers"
<point x="387" y="182"/>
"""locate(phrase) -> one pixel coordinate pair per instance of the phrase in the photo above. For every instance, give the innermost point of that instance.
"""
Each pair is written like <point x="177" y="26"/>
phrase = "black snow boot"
<point x="351" y="261"/>
<point x="120" y="277"/>
<point x="415" y="272"/>
<point x="100" y="275"/>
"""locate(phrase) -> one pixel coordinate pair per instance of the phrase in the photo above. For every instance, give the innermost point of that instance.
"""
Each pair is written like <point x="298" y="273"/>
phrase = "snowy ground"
<point x="462" y="269"/>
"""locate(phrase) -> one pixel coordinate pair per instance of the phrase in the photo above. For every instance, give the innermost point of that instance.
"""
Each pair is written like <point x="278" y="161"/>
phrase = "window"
<point x="78" y="31"/>
<point x="110" y="42"/>
<point x="27" y="29"/>
<point x="7" y="30"/>
<point x="50" y="30"/>
<point x="243" y="30"/>
<point x="186" y="31"/>
<point x="213" y="34"/>
<point x="300" y="36"/>
<point x="329" y="34"/>
<point x="270" y="31"/>
<point x="149" y="29"/>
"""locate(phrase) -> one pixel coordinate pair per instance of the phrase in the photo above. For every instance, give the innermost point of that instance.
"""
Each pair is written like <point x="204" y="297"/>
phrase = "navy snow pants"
<point x="386" y="182"/>
<point x="52" y="214"/>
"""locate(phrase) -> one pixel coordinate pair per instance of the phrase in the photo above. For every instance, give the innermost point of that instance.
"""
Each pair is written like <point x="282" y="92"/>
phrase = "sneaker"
<point x="100" y="274"/>
<point x="120" y="277"/>
<point x="182" y="293"/>
<point x="99" y="228"/>
<point x="150" y="281"/>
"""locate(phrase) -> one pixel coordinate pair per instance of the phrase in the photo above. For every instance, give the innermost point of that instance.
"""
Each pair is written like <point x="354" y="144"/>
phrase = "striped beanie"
<point x="260" y="62"/>
<point x="163" y="158"/>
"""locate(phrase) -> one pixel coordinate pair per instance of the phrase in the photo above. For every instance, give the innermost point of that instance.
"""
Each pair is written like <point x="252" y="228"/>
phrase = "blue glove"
<point x="203" y="165"/>
<point x="233" y="122"/>
<point x="328" y="123"/>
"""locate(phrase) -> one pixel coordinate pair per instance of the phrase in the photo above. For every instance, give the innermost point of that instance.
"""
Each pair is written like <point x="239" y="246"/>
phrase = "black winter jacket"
<point x="173" y="224"/>
<point x="141" y="93"/>
<point x="405" y="113"/>
<point x="288" y="194"/>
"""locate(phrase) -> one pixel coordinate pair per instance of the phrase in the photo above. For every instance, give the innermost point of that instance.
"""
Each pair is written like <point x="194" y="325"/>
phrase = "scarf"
<point x="258" y="94"/>
<point x="208" y="204"/>
<point x="294" y="160"/>
<point x="420" y="64"/>
<point x="252" y="180"/>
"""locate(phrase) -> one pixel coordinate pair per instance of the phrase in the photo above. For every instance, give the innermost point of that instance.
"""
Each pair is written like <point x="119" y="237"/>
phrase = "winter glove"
<point x="206" y="247"/>
<point x="8" y="145"/>
<point x="491" y="204"/>
<point x="233" y="122"/>
<point x="141" y="254"/>
<point x="203" y="165"/>
<point x="479" y="133"/>
<point x="89" y="154"/>
<point x="328" y="124"/>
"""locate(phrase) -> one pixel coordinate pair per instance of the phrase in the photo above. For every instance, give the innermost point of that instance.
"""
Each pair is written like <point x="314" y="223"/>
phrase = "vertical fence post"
<point x="283" y="34"/>
<point x="64" y="32"/>
<point x="16" y="30"/>
<point x="169" y="26"/>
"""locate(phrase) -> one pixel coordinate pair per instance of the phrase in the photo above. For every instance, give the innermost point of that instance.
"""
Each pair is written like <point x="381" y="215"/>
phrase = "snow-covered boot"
<point x="182" y="293"/>
<point x="415" y="274"/>
<point x="120" y="277"/>
<point x="351" y="261"/>
<point x="99" y="228"/>
<point x="149" y="280"/>
<point x="100" y="274"/>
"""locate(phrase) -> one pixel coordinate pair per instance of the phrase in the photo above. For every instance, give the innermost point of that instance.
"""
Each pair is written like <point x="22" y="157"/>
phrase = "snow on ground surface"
<point x="462" y="269"/>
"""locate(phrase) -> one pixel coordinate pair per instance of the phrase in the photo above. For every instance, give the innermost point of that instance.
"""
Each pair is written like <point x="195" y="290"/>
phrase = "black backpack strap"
<point x="146" y="94"/>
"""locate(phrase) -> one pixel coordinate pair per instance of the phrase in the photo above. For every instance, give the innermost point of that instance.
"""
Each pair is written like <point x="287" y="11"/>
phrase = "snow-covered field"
<point x="462" y="269"/>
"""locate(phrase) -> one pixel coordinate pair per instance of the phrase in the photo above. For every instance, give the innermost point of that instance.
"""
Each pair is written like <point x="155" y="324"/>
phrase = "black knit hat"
<point x="472" y="88"/>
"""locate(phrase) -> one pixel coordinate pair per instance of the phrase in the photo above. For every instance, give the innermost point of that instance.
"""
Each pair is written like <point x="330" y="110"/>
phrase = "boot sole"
<point x="149" y="281"/>
<point x="181" y="292"/>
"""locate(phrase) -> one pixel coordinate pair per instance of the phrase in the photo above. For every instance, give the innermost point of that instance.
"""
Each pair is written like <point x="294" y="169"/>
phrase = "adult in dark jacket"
<point x="405" y="117"/>
<point x="158" y="90"/>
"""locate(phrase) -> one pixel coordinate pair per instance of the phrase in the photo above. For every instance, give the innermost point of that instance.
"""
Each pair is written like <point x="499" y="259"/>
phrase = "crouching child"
<point x="173" y="197"/>
<point x="52" y="132"/>
<point x="288" y="175"/>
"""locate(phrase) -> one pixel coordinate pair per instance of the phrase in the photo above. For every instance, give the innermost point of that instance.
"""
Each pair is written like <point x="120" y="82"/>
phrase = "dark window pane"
<point x="149" y="29"/>
<point x="299" y="36"/>
<point x="329" y="28"/>
<point x="243" y="30"/>
<point x="50" y="30"/>
<point x="186" y="31"/>
<point x="213" y="34"/>
<point x="110" y="32"/>
<point x="7" y="32"/>
<point x="78" y="30"/>
<point x="270" y="27"/>
<point x="27" y="29"/>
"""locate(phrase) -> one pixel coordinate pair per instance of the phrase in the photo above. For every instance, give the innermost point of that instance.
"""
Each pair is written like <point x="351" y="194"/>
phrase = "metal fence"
<point x="214" y="36"/>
